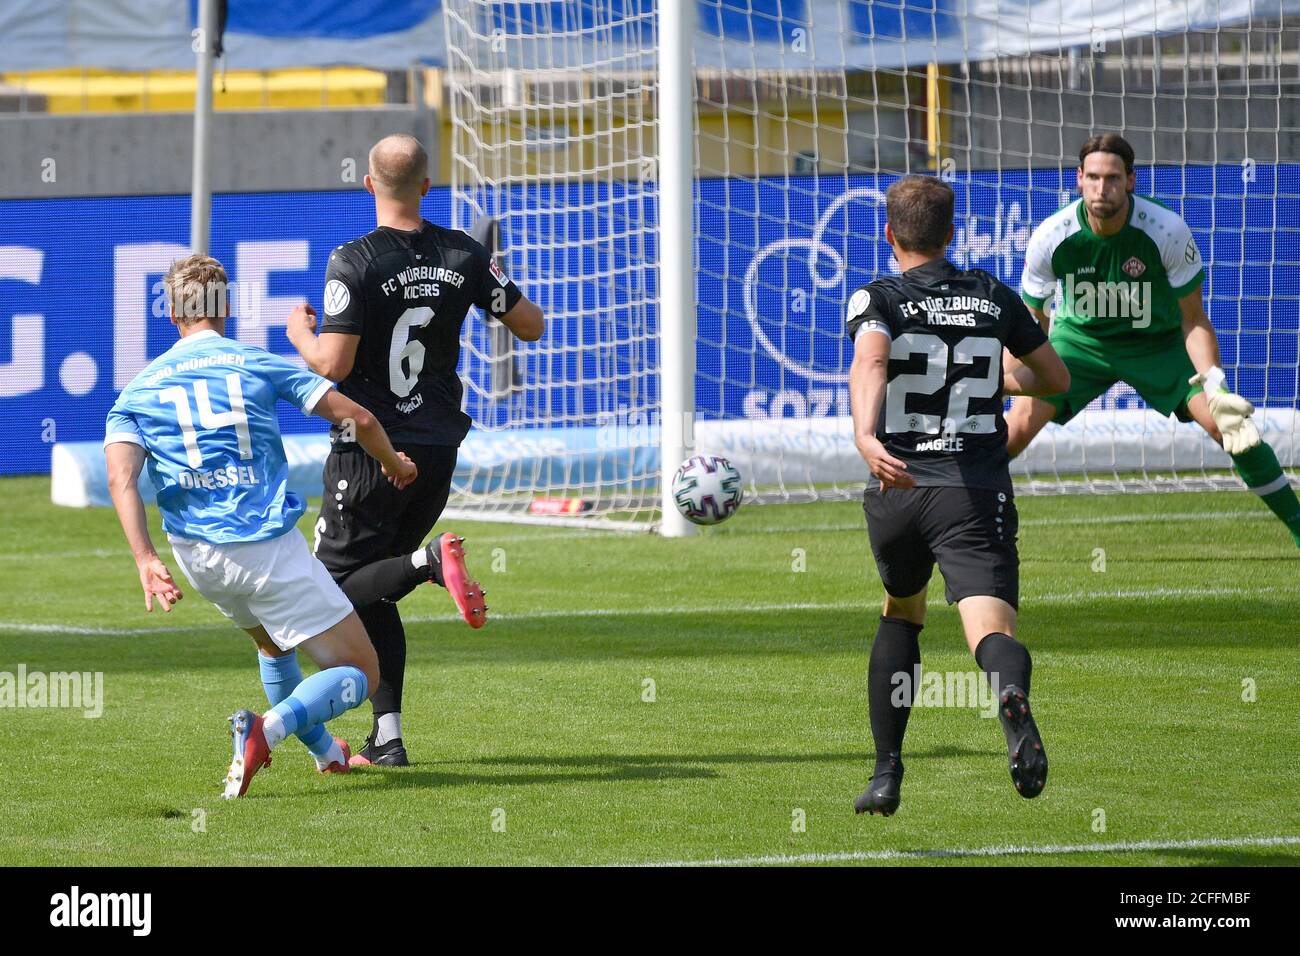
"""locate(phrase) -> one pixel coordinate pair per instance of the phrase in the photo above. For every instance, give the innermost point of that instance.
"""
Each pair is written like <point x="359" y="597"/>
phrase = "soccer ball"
<point x="707" y="489"/>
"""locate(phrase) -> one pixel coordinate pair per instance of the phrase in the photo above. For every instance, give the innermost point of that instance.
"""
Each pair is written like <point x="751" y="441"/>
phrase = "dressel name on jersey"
<point x="231" y="476"/>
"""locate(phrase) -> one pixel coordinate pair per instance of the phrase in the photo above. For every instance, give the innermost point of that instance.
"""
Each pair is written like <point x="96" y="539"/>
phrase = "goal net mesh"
<point x="805" y="112"/>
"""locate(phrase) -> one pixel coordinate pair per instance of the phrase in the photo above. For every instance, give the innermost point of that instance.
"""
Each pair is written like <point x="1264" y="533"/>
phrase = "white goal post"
<point x="571" y="121"/>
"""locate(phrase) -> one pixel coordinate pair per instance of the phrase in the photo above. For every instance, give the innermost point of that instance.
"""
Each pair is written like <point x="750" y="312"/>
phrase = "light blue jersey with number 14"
<point x="204" y="412"/>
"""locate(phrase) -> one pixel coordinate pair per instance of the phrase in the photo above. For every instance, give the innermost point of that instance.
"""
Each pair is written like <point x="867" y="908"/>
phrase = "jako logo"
<point x="103" y="909"/>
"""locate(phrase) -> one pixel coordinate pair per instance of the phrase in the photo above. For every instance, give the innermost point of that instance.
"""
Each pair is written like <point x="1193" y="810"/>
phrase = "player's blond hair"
<point x="197" y="289"/>
<point x="398" y="166"/>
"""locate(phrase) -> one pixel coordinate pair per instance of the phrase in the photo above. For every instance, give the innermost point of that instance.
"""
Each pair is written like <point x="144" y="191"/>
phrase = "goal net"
<point x="804" y="112"/>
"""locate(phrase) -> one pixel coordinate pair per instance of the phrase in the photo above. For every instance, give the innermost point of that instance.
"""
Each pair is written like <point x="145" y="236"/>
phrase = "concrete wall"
<point x="143" y="154"/>
<point x="1010" y="121"/>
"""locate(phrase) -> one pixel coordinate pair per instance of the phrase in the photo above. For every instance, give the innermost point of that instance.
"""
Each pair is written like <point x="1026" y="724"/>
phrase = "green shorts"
<point x="1159" y="374"/>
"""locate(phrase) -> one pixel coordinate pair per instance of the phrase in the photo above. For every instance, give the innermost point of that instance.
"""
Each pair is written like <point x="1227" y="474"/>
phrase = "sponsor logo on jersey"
<point x="1134" y="267"/>
<point x="337" y="297"/>
<point x="497" y="273"/>
<point x="407" y="407"/>
<point x="1191" y="253"/>
<point x="858" y="303"/>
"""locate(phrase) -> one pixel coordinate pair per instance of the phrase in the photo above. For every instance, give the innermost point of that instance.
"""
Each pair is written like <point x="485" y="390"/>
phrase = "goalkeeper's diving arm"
<point x="1231" y="412"/>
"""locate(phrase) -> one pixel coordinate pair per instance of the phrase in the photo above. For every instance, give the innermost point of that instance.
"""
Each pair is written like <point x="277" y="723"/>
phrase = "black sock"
<point x="896" y="650"/>
<point x="384" y="625"/>
<point x="1005" y="660"/>
<point x="390" y="579"/>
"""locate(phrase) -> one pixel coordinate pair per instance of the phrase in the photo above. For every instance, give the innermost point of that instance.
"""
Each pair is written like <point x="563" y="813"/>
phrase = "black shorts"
<point x="363" y="518"/>
<point x="971" y="532"/>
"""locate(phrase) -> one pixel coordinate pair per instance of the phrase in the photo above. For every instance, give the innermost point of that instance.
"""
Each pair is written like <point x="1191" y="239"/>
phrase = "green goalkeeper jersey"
<point x="1122" y="289"/>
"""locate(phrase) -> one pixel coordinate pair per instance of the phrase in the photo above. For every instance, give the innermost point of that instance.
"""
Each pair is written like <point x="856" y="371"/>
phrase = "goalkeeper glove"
<point x="1230" y="411"/>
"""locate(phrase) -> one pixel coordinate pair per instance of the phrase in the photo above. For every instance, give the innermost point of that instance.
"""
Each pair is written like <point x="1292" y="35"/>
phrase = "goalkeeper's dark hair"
<point x="1108" y="143"/>
<point x="919" y="209"/>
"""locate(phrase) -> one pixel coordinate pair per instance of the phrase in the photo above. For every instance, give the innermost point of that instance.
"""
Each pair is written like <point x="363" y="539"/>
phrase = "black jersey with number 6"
<point x="943" y="406"/>
<point x="406" y="293"/>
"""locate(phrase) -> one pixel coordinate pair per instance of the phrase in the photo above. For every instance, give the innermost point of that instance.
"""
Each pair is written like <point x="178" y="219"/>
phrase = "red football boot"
<point x="251" y="752"/>
<point x="334" y="766"/>
<point x="468" y="594"/>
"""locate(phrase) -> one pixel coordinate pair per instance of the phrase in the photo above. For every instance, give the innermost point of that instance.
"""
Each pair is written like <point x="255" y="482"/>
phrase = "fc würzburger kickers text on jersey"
<point x="943" y="405"/>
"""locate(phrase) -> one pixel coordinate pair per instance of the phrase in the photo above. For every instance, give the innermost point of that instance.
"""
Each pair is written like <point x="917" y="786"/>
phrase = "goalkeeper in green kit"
<point x="1130" y="310"/>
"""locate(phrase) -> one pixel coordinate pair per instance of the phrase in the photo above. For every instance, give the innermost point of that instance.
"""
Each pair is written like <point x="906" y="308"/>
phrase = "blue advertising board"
<point x="81" y="308"/>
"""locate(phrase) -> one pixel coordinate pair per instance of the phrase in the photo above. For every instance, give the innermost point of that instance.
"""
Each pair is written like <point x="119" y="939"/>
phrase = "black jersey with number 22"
<point x="406" y="294"/>
<point x="943" y="405"/>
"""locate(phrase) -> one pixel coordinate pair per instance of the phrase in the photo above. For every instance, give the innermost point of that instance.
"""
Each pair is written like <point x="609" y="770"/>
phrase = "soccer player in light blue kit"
<point x="202" y="416"/>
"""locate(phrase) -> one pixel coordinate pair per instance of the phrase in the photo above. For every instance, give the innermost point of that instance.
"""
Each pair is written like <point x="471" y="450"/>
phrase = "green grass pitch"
<point x="532" y="743"/>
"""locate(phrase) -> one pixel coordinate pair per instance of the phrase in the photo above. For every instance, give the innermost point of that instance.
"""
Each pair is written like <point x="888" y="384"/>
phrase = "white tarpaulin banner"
<point x="791" y="34"/>
<point x="789" y="453"/>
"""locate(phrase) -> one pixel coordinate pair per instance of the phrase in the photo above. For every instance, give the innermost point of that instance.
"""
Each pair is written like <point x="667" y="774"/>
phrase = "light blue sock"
<point x="320" y="697"/>
<point x="280" y="675"/>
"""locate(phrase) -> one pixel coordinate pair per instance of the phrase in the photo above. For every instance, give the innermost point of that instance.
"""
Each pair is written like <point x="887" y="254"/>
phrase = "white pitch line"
<point x="550" y="534"/>
<point x="1158" y="518"/>
<point x="1051" y="849"/>
<point x="65" y="555"/>
<point x="83" y="631"/>
<point x="1153" y="518"/>
<point x="872" y="606"/>
<point x="869" y="606"/>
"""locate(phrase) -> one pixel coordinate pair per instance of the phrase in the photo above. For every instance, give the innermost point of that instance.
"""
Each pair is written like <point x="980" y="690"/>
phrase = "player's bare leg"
<point x="346" y="644"/>
<point x="1258" y="468"/>
<point x="990" y="626"/>
<point x="895" y="650"/>
<point x="348" y="669"/>
<point x="1026" y="419"/>
<point x="280" y="674"/>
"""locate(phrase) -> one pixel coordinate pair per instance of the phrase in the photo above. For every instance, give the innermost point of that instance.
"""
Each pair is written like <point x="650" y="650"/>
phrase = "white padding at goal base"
<point x="792" y="453"/>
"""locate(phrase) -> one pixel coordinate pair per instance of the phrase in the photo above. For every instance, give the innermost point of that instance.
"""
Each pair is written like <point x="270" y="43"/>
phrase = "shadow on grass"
<point x="1208" y="621"/>
<point x="614" y="768"/>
